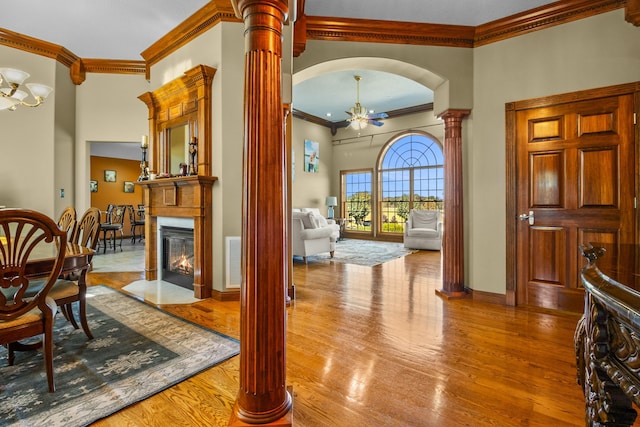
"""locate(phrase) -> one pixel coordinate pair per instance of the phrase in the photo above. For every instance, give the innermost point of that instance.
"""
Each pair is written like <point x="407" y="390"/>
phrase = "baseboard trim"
<point x="225" y="296"/>
<point x="489" y="297"/>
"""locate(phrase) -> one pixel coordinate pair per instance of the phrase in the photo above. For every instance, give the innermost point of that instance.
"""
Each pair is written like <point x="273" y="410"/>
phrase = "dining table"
<point x="77" y="261"/>
<point x="77" y="258"/>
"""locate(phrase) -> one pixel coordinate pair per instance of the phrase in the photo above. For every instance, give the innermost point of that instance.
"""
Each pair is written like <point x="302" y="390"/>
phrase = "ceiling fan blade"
<point x="375" y="122"/>
<point x="342" y="124"/>
<point x="378" y="116"/>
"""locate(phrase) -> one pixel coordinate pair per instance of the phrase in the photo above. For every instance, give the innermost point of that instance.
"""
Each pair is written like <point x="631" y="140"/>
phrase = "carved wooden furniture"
<point x="22" y="317"/>
<point x="607" y="338"/>
<point x="67" y="220"/>
<point x="72" y="285"/>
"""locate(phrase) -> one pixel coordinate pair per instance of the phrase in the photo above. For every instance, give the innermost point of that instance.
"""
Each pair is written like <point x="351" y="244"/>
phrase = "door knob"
<point x="530" y="217"/>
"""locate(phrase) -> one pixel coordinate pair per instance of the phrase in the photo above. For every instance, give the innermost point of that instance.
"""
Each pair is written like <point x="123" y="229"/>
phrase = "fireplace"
<point x="177" y="256"/>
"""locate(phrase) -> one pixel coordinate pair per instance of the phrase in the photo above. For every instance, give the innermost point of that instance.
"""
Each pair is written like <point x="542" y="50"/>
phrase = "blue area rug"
<point x="137" y="351"/>
<point x="362" y="252"/>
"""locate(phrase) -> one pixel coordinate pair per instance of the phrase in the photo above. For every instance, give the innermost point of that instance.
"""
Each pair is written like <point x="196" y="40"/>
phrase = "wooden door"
<point x="575" y="173"/>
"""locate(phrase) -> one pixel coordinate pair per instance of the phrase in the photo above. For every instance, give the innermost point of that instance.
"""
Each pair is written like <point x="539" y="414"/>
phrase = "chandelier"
<point x="359" y="116"/>
<point x="11" y="97"/>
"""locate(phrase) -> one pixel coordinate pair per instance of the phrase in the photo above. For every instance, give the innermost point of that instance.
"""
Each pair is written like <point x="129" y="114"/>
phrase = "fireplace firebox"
<point x="177" y="256"/>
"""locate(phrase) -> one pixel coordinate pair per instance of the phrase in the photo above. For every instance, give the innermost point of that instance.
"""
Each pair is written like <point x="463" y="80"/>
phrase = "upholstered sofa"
<point x="312" y="234"/>
<point x="423" y="230"/>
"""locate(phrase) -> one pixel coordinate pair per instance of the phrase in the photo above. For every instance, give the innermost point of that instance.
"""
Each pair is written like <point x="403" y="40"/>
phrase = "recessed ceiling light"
<point x="328" y="114"/>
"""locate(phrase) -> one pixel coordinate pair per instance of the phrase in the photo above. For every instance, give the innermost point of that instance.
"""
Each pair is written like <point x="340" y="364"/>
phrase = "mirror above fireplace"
<point x="179" y="112"/>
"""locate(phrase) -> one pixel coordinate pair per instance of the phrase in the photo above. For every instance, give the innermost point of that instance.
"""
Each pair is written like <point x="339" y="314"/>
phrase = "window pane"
<point x="357" y="200"/>
<point x="412" y="177"/>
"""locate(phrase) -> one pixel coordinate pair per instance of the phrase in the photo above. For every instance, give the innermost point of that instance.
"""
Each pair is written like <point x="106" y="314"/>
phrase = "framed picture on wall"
<point x="128" y="187"/>
<point x="109" y="176"/>
<point x="93" y="186"/>
<point x="311" y="156"/>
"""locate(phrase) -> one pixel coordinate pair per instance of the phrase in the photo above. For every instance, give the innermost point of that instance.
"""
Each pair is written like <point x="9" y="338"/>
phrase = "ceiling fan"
<point x="360" y="117"/>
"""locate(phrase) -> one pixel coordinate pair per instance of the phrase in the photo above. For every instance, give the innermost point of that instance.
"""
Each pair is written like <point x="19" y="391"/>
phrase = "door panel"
<point x="575" y="171"/>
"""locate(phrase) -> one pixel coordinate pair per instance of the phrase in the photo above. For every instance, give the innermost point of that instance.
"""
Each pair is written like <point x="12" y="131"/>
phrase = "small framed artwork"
<point x="311" y="156"/>
<point x="128" y="187"/>
<point x="93" y="186"/>
<point x="109" y="176"/>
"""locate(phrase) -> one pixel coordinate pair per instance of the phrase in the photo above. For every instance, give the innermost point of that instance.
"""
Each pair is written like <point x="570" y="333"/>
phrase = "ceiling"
<point x="123" y="29"/>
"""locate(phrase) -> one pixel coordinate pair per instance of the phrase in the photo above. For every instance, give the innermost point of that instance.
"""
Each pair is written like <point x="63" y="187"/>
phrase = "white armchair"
<point x="423" y="230"/>
<point x="324" y="222"/>
<point x="308" y="237"/>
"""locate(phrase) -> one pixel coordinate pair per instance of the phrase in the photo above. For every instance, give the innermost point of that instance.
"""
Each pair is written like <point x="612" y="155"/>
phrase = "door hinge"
<point x="635" y="203"/>
<point x="635" y="118"/>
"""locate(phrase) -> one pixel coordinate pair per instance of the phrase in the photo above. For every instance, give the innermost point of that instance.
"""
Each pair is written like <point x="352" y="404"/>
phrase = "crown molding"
<point x="336" y="29"/>
<point x="543" y="17"/>
<point x="632" y="12"/>
<point x="80" y="67"/>
<point x="208" y="16"/>
<point x="36" y="46"/>
<point x="375" y="31"/>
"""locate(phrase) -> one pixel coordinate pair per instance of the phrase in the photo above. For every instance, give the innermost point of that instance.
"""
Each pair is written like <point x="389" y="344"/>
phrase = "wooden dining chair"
<point x="115" y="224"/>
<point x="67" y="220"/>
<point x="71" y="286"/>
<point x="23" y="234"/>
<point x="136" y="222"/>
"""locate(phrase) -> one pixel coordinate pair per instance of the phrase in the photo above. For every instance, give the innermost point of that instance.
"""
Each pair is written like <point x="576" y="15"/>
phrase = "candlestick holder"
<point x="144" y="167"/>
<point x="193" y="151"/>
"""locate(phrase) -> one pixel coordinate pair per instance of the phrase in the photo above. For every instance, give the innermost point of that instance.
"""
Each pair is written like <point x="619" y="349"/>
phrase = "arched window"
<point x="411" y="176"/>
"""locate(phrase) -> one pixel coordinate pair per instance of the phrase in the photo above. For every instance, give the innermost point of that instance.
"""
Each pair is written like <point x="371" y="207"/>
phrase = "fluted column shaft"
<point x="263" y="397"/>
<point x="453" y="236"/>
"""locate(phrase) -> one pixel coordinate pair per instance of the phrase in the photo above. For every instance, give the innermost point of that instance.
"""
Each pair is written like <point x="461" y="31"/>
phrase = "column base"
<point x="453" y="295"/>
<point x="286" y="420"/>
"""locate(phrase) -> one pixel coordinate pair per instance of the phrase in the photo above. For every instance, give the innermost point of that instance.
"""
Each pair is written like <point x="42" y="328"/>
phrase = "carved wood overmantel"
<point x="183" y="101"/>
<point x="186" y="99"/>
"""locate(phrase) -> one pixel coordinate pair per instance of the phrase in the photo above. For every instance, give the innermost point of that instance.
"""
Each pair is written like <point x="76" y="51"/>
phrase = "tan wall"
<point x="27" y="144"/>
<point x="113" y="192"/>
<point x="107" y="110"/>
<point x="309" y="189"/>
<point x="222" y="44"/>
<point x="600" y="51"/>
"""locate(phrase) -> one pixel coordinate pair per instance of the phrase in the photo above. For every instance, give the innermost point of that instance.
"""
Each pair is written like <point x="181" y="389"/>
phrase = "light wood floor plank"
<point x="377" y="347"/>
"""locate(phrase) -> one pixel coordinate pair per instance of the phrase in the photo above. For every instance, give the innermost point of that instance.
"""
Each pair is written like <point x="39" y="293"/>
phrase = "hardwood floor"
<point x="377" y="347"/>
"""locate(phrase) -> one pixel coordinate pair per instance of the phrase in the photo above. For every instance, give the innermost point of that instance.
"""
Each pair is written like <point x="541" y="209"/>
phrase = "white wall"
<point x="595" y="52"/>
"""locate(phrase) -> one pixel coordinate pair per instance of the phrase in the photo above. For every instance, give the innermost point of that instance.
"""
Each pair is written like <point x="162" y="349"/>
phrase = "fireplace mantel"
<point x="181" y="197"/>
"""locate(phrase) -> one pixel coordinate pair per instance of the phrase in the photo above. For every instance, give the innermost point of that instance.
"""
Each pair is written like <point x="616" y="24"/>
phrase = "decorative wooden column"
<point x="453" y="236"/>
<point x="263" y="397"/>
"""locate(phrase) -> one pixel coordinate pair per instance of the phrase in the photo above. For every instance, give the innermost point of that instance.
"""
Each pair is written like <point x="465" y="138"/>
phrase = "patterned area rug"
<point x="362" y="252"/>
<point x="137" y="351"/>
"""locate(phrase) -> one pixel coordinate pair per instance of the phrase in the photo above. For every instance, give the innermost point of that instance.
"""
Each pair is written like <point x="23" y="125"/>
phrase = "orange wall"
<point x="113" y="192"/>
